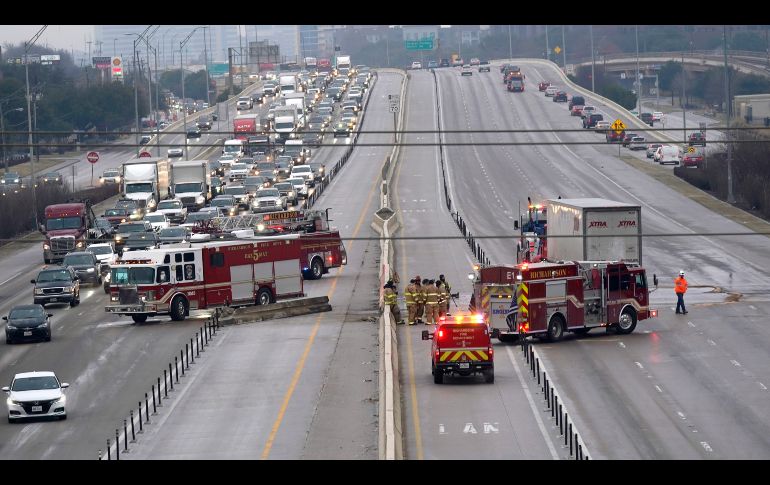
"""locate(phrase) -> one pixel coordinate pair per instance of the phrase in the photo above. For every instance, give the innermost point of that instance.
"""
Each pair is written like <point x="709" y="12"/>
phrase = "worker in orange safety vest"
<point x="680" y="287"/>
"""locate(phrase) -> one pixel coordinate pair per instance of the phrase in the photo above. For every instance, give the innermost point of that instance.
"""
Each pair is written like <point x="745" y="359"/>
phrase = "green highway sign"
<point x="419" y="45"/>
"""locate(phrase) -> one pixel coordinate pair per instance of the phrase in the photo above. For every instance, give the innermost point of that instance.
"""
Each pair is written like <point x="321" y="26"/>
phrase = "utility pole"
<point x="564" y="48"/>
<point x="27" y="46"/>
<point x="510" y="44"/>
<point x="684" y="103"/>
<point x="240" y="54"/>
<point x="547" y="47"/>
<point x="593" y="60"/>
<point x="728" y="105"/>
<point x="638" y="81"/>
<point x="206" y="62"/>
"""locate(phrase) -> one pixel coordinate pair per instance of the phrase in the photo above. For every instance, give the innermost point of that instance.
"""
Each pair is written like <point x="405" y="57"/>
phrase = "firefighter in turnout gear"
<point x="447" y="286"/>
<point x="390" y="296"/>
<point x="419" y="299"/>
<point x="410" y="292"/>
<point x="443" y="299"/>
<point x="431" y="303"/>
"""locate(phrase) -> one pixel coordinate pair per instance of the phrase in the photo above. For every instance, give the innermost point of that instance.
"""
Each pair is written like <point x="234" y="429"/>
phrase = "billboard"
<point x="117" y="68"/>
<point x="102" y="62"/>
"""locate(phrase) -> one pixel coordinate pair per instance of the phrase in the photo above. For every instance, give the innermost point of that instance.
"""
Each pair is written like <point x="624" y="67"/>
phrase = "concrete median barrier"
<point x="282" y="309"/>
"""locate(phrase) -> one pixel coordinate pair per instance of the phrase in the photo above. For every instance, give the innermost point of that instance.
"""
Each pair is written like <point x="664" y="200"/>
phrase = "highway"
<point x="680" y="387"/>
<point x="109" y="362"/>
<point x="303" y="387"/>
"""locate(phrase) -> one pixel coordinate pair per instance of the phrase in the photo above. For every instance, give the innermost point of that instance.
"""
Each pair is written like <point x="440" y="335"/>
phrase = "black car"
<point x="141" y="240"/>
<point x="576" y="100"/>
<point x="50" y="178"/>
<point x="697" y="138"/>
<point x="171" y="235"/>
<point x="56" y="284"/>
<point x="217" y="187"/>
<point x="217" y="170"/>
<point x="257" y="97"/>
<point x="341" y="129"/>
<point x="194" y="133"/>
<point x="127" y="228"/>
<point x="134" y="210"/>
<point x="11" y="180"/>
<point x="443" y="63"/>
<point x="86" y="266"/>
<point x="204" y="123"/>
<point x="646" y="118"/>
<point x="560" y="97"/>
<point x="27" y="322"/>
<point x="590" y="120"/>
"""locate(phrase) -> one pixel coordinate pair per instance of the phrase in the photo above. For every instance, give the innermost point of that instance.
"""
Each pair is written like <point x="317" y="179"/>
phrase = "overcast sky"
<point x="55" y="36"/>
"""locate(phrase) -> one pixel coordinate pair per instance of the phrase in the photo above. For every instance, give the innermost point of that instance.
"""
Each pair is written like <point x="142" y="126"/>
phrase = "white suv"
<point x="36" y="394"/>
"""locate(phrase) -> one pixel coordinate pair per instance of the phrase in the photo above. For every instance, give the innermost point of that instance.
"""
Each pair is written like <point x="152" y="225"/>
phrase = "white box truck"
<point x="191" y="183"/>
<point x="298" y="101"/>
<point x="606" y="230"/>
<point x="288" y="83"/>
<point x="145" y="180"/>
<point x="285" y="122"/>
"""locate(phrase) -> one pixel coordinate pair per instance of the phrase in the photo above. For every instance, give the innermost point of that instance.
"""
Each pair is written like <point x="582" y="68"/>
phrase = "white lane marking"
<point x="657" y="388"/>
<point x="441" y="429"/>
<point x="711" y="342"/>
<point x="752" y="307"/>
<point x="622" y="345"/>
<point x="706" y="446"/>
<point x="691" y="324"/>
<point x="469" y="428"/>
<point x="735" y="363"/>
<point x="681" y="414"/>
<point x="534" y="408"/>
<point x="489" y="428"/>
<point x="764" y="387"/>
<point x="639" y="365"/>
<point x="9" y="279"/>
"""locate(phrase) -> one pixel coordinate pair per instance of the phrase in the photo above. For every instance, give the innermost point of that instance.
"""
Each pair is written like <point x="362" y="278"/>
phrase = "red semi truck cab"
<point x="461" y="345"/>
<point x="66" y="228"/>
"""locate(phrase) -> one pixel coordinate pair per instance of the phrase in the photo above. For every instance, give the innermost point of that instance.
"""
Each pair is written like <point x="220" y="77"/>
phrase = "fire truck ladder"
<point x="245" y="221"/>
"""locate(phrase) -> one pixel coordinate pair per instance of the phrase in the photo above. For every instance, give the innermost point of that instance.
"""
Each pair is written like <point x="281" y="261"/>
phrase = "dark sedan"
<point x="27" y="322"/>
<point x="86" y="266"/>
<point x="141" y="240"/>
<point x="50" y="178"/>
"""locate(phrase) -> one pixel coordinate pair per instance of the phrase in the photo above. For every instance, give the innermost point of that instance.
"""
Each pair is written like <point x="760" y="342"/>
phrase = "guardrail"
<point x="159" y="390"/>
<point x="281" y="309"/>
<point x="386" y="223"/>
<point x="567" y="427"/>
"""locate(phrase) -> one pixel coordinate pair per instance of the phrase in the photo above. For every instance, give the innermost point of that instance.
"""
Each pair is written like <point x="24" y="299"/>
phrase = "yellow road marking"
<point x="311" y="339"/>
<point x="409" y="356"/>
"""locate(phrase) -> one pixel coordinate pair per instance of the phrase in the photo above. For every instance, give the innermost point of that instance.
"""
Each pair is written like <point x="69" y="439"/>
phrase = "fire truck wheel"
<point x="627" y="321"/>
<point x="438" y="376"/>
<point x="489" y="376"/>
<point x="556" y="329"/>
<point x="507" y="337"/>
<point x="316" y="269"/>
<point x="264" y="297"/>
<point x="178" y="308"/>
<point x="139" y="318"/>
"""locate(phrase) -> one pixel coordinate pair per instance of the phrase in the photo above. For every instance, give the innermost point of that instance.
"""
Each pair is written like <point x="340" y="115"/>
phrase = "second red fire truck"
<point x="549" y="299"/>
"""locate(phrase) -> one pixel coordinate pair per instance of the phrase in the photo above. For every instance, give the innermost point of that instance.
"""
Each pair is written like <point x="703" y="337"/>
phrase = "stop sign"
<point x="93" y="157"/>
<point x="144" y="154"/>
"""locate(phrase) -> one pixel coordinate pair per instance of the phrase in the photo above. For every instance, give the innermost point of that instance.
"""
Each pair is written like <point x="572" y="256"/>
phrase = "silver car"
<point x="269" y="200"/>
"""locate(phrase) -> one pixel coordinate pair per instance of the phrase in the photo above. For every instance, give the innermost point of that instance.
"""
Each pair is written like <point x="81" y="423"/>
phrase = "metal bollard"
<point x="561" y="421"/>
<point x="181" y="356"/>
<point x="571" y="440"/>
<point x="176" y="367"/>
<point x="553" y="408"/>
<point x="100" y="455"/>
<point x="537" y="363"/>
<point x="133" y="435"/>
<point x="546" y="391"/>
<point x="566" y="416"/>
<point x="140" y="416"/>
<point x="165" y="384"/>
<point x="109" y="452"/>
<point x="197" y="347"/>
<point x="117" y="445"/>
<point x="147" y="406"/>
<point x="192" y="353"/>
<point x="125" y="433"/>
<point x="160" y="399"/>
<point x="205" y="335"/>
<point x="579" y="452"/>
<point x="154" y="409"/>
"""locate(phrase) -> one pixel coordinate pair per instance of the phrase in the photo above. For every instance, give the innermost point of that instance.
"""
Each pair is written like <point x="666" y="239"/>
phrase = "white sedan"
<point x="175" y="152"/>
<point x="36" y="394"/>
<point x="157" y="221"/>
<point x="657" y="116"/>
<point x="551" y="91"/>
<point x="238" y="171"/>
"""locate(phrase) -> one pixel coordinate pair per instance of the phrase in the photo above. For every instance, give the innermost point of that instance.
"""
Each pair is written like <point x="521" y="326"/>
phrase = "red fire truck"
<point x="321" y="245"/>
<point x="195" y="276"/>
<point x="548" y="299"/>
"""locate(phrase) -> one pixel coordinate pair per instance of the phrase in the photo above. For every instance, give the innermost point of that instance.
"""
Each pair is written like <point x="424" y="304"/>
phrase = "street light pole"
<point x="728" y="105"/>
<point x="638" y="81"/>
<point x="510" y="44"/>
<point x="547" y="47"/>
<point x="564" y="48"/>
<point x="206" y="62"/>
<point x="2" y="129"/>
<point x="184" y="105"/>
